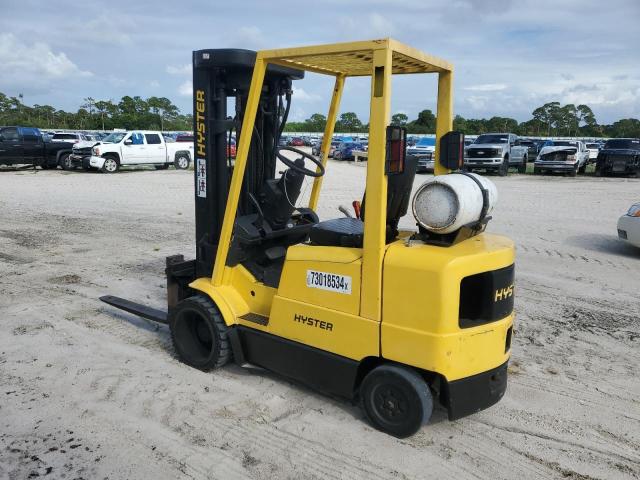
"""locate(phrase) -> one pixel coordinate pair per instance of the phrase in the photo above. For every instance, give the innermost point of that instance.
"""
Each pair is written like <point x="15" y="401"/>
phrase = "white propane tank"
<point x="445" y="203"/>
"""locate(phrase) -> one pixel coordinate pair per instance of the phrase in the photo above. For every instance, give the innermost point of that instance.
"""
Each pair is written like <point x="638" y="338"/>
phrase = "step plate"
<point x="255" y="318"/>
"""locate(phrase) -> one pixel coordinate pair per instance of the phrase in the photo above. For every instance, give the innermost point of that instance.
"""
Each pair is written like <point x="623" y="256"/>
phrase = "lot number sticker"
<point x="329" y="281"/>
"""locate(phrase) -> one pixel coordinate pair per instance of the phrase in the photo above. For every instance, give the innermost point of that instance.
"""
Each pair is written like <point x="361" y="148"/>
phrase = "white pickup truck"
<point x="139" y="147"/>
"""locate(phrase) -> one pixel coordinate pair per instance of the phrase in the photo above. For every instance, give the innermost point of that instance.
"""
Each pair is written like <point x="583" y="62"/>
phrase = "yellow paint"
<point x="421" y="306"/>
<point x="326" y="139"/>
<point x="332" y="260"/>
<point x="444" y="120"/>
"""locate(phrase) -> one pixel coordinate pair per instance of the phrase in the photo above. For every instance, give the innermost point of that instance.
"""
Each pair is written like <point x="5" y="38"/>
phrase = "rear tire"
<point x="65" y="162"/>
<point x="199" y="333"/>
<point x="522" y="168"/>
<point x="182" y="161"/>
<point x="396" y="400"/>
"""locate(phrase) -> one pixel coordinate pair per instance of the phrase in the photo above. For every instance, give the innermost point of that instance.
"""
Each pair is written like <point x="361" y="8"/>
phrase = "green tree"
<point x="399" y="119"/>
<point x="349" y="122"/>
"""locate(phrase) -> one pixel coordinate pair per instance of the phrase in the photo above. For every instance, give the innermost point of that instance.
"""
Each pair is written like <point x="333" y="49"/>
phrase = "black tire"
<point x="503" y="170"/>
<point x="583" y="168"/>
<point x="182" y="161"/>
<point x="199" y="333"/>
<point x="65" y="162"/>
<point x="537" y="171"/>
<point x="161" y="167"/>
<point x="44" y="165"/>
<point x="396" y="400"/>
<point x="573" y="172"/>
<point x="111" y="164"/>
<point x="522" y="168"/>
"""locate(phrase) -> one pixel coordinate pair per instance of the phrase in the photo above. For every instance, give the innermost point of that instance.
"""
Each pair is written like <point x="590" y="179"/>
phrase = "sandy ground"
<point x="90" y="392"/>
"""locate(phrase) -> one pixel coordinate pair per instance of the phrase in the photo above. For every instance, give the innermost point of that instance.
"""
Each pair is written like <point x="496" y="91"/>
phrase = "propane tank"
<point x="445" y="203"/>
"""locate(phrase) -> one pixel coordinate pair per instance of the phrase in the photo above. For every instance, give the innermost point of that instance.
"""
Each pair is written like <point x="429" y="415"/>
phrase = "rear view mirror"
<point x="452" y="150"/>
<point x="128" y="141"/>
<point x="396" y="150"/>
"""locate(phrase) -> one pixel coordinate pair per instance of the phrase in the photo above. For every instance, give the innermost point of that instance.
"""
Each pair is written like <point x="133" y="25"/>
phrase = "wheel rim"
<point x="183" y="162"/>
<point x="390" y="404"/>
<point x="110" y="165"/>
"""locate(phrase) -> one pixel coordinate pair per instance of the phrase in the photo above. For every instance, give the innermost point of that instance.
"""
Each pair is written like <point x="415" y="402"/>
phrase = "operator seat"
<point x="349" y="232"/>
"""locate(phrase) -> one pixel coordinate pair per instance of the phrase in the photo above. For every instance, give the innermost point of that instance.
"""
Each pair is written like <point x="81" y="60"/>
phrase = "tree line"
<point x="153" y="113"/>
<point x="550" y="119"/>
<point x="159" y="113"/>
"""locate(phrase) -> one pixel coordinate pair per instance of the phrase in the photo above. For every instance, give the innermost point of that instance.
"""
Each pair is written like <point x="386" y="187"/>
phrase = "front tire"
<point x="503" y="171"/>
<point x="396" y="400"/>
<point x="182" y="161"/>
<point x="111" y="165"/>
<point x="199" y="333"/>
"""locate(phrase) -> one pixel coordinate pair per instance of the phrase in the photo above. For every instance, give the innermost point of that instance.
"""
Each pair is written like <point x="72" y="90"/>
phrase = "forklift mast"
<point x="221" y="75"/>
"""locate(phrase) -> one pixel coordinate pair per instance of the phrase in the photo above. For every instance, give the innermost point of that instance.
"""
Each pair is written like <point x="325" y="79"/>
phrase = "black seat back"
<point x="399" y="187"/>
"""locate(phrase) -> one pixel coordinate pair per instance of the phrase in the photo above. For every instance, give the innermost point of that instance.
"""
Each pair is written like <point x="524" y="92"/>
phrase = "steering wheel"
<point x="292" y="165"/>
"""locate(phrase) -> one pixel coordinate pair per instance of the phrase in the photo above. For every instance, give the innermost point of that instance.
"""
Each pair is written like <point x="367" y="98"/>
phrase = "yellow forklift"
<point x="355" y="307"/>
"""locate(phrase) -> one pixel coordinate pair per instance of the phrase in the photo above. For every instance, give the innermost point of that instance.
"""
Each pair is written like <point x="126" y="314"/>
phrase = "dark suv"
<point x="620" y="156"/>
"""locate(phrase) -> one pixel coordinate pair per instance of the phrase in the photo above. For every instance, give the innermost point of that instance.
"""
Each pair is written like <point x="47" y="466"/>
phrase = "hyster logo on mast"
<point x="200" y="125"/>
<point x="201" y="158"/>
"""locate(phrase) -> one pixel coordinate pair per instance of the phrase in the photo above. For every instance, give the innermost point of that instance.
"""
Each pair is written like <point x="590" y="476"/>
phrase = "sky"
<point x="510" y="56"/>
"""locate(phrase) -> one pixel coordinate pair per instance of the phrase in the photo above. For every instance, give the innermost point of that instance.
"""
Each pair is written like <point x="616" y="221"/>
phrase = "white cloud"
<point x="487" y="87"/>
<point x="102" y="30"/>
<point x="380" y="25"/>
<point x="249" y="37"/>
<point x="36" y="61"/>
<point x="186" y="89"/>
<point x="300" y="95"/>
<point x="179" y="69"/>
<point x="154" y="84"/>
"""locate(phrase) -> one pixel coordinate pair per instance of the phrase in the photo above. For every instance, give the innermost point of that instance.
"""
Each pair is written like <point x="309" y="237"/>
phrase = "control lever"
<point x="344" y="210"/>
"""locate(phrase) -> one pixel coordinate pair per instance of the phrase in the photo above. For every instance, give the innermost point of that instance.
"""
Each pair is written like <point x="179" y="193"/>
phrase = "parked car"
<point x="344" y="151"/>
<point x="80" y="155"/>
<point x="231" y="148"/>
<point x="496" y="151"/>
<point x="69" y="137"/>
<point x="532" y="148"/>
<point x="140" y="147"/>
<point x="563" y="156"/>
<point x="424" y="145"/>
<point x="334" y="144"/>
<point x="185" y="137"/>
<point x="283" y="141"/>
<point x="629" y="225"/>
<point x="424" y="149"/>
<point x="26" y="146"/>
<point x="619" y="156"/>
<point x="296" y="142"/>
<point x="593" y="149"/>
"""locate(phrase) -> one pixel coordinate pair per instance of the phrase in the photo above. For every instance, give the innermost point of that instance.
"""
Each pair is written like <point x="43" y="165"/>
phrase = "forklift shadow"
<point x="349" y="407"/>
